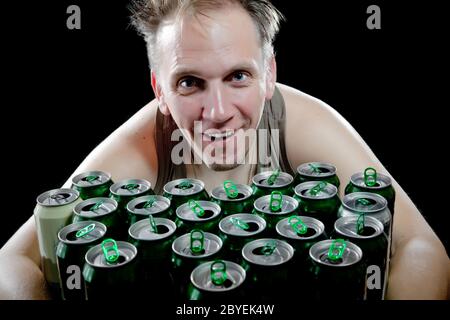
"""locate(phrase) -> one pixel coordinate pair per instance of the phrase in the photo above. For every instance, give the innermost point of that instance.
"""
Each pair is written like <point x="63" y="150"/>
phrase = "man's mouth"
<point x="213" y="136"/>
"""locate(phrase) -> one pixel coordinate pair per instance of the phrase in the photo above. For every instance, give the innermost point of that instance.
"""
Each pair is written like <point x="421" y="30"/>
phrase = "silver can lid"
<point x="82" y="232"/>
<point x="91" y="179"/>
<point x="382" y="181"/>
<point x="285" y="229"/>
<point x="316" y="169"/>
<point x="305" y="190"/>
<point x="256" y="252"/>
<point x="142" y="230"/>
<point x="288" y="205"/>
<point x="347" y="226"/>
<point x="57" y="197"/>
<point x="211" y="245"/>
<point x="364" y="202"/>
<point x="184" y="212"/>
<point x="201" y="277"/>
<point x="283" y="179"/>
<point x="147" y="205"/>
<point x="184" y="187"/>
<point x="130" y="187"/>
<point x="96" y="258"/>
<point x="95" y="207"/>
<point x="231" y="225"/>
<point x="219" y="193"/>
<point x="351" y="254"/>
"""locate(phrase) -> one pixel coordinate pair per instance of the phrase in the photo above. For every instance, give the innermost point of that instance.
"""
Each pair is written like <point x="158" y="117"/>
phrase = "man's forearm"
<point x="419" y="270"/>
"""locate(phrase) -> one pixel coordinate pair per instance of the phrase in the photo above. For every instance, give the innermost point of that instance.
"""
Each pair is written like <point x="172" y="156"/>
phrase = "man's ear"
<point x="159" y="95"/>
<point x="271" y="77"/>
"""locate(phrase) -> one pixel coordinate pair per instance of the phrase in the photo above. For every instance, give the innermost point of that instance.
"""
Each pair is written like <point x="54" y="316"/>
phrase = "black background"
<point x="66" y="90"/>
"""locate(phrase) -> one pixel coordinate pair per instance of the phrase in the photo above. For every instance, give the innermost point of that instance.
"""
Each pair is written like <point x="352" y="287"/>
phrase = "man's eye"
<point x="188" y="83"/>
<point x="239" y="76"/>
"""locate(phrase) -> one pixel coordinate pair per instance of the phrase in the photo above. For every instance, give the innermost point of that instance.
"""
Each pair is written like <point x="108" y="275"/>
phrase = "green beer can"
<point x="189" y="251"/>
<point x="320" y="201"/>
<point x="181" y="191"/>
<point x="153" y="238"/>
<point x="316" y="171"/>
<point x="274" y="208"/>
<point x="204" y="215"/>
<point x="216" y="281"/>
<point x="368" y="234"/>
<point x="237" y="230"/>
<point x="74" y="241"/>
<point x="142" y="207"/>
<point x="53" y="211"/>
<point x="266" y="262"/>
<point x="372" y="181"/>
<point x="92" y="184"/>
<point x="110" y="270"/>
<point x="103" y="210"/>
<point x="337" y="271"/>
<point x="265" y="182"/>
<point x="233" y="198"/>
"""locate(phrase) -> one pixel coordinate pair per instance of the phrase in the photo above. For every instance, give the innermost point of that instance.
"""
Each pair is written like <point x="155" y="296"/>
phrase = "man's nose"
<point x="217" y="105"/>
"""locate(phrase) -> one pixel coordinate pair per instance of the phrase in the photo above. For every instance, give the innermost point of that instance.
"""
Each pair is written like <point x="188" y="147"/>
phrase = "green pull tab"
<point x="370" y="177"/>
<point x="298" y="225"/>
<point x="362" y="201"/>
<point x="269" y="248"/>
<point x="218" y="272"/>
<point x="337" y="249"/>
<point x="153" y="227"/>
<point x="149" y="203"/>
<point x="97" y="205"/>
<point x="196" y="208"/>
<point x="110" y="250"/>
<point x="185" y="184"/>
<point x="239" y="223"/>
<point x="276" y="201"/>
<point x="197" y="241"/>
<point x="360" y="223"/>
<point x="314" y="168"/>
<point x="314" y="191"/>
<point x="230" y="189"/>
<point x="91" y="178"/>
<point x="273" y="177"/>
<point x="82" y="232"/>
<point x="131" y="186"/>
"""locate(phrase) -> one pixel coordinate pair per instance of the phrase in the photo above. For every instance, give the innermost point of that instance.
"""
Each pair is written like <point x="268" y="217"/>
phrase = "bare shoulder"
<point x="129" y="151"/>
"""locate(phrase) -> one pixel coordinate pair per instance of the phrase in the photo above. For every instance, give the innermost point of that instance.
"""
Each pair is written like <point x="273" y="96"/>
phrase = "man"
<point x="214" y="78"/>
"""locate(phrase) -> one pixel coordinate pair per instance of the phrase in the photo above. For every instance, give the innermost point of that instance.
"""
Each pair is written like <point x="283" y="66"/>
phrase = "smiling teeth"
<point x="222" y="135"/>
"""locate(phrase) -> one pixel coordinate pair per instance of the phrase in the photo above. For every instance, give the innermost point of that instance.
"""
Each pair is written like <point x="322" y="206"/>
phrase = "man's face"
<point x="212" y="72"/>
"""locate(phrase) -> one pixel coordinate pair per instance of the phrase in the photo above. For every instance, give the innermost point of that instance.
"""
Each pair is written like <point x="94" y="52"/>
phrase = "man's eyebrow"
<point x="184" y="71"/>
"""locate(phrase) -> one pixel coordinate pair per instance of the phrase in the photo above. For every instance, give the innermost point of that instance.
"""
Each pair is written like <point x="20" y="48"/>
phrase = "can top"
<point x="348" y="225"/>
<point x="184" y="187"/>
<point x="231" y="225"/>
<point x="142" y="230"/>
<point x="285" y="229"/>
<point x="211" y="245"/>
<point x="313" y="190"/>
<point x="352" y="254"/>
<point x="364" y="202"/>
<point x="57" y="197"/>
<point x="201" y="277"/>
<point x="244" y="191"/>
<point x="82" y="232"/>
<point x="288" y="205"/>
<point x="91" y="179"/>
<point x="316" y="169"/>
<point x="185" y="213"/>
<point x="267" y="252"/>
<point x="382" y="181"/>
<point x="96" y="257"/>
<point x="282" y="180"/>
<point x="130" y="187"/>
<point x="147" y="205"/>
<point x="95" y="207"/>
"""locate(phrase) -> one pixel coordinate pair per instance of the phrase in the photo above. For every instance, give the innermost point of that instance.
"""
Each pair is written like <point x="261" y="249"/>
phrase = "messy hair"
<point x="147" y="16"/>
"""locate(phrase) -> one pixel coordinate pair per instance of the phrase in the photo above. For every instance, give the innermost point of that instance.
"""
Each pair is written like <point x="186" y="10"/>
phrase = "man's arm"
<point x="419" y="263"/>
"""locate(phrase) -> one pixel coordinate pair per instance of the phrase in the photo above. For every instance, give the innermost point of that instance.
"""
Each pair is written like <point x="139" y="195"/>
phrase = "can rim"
<point x="342" y="222"/>
<point x="74" y="195"/>
<point x="332" y="169"/>
<point x="76" y="179"/>
<point x="243" y="216"/>
<point x="114" y="187"/>
<point x="131" y="205"/>
<point x="78" y="208"/>
<point x="325" y="245"/>
<point x="306" y="185"/>
<point x="243" y="188"/>
<point x="369" y="195"/>
<point x="130" y="246"/>
<point x="310" y="222"/>
<point x="253" y="243"/>
<point x="207" y="235"/>
<point x="81" y="225"/>
<point x="216" y="208"/>
<point x="178" y="181"/>
<point x="159" y="221"/>
<point x="264" y="199"/>
<point x="267" y="174"/>
<point x="380" y="177"/>
<point x="229" y="265"/>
